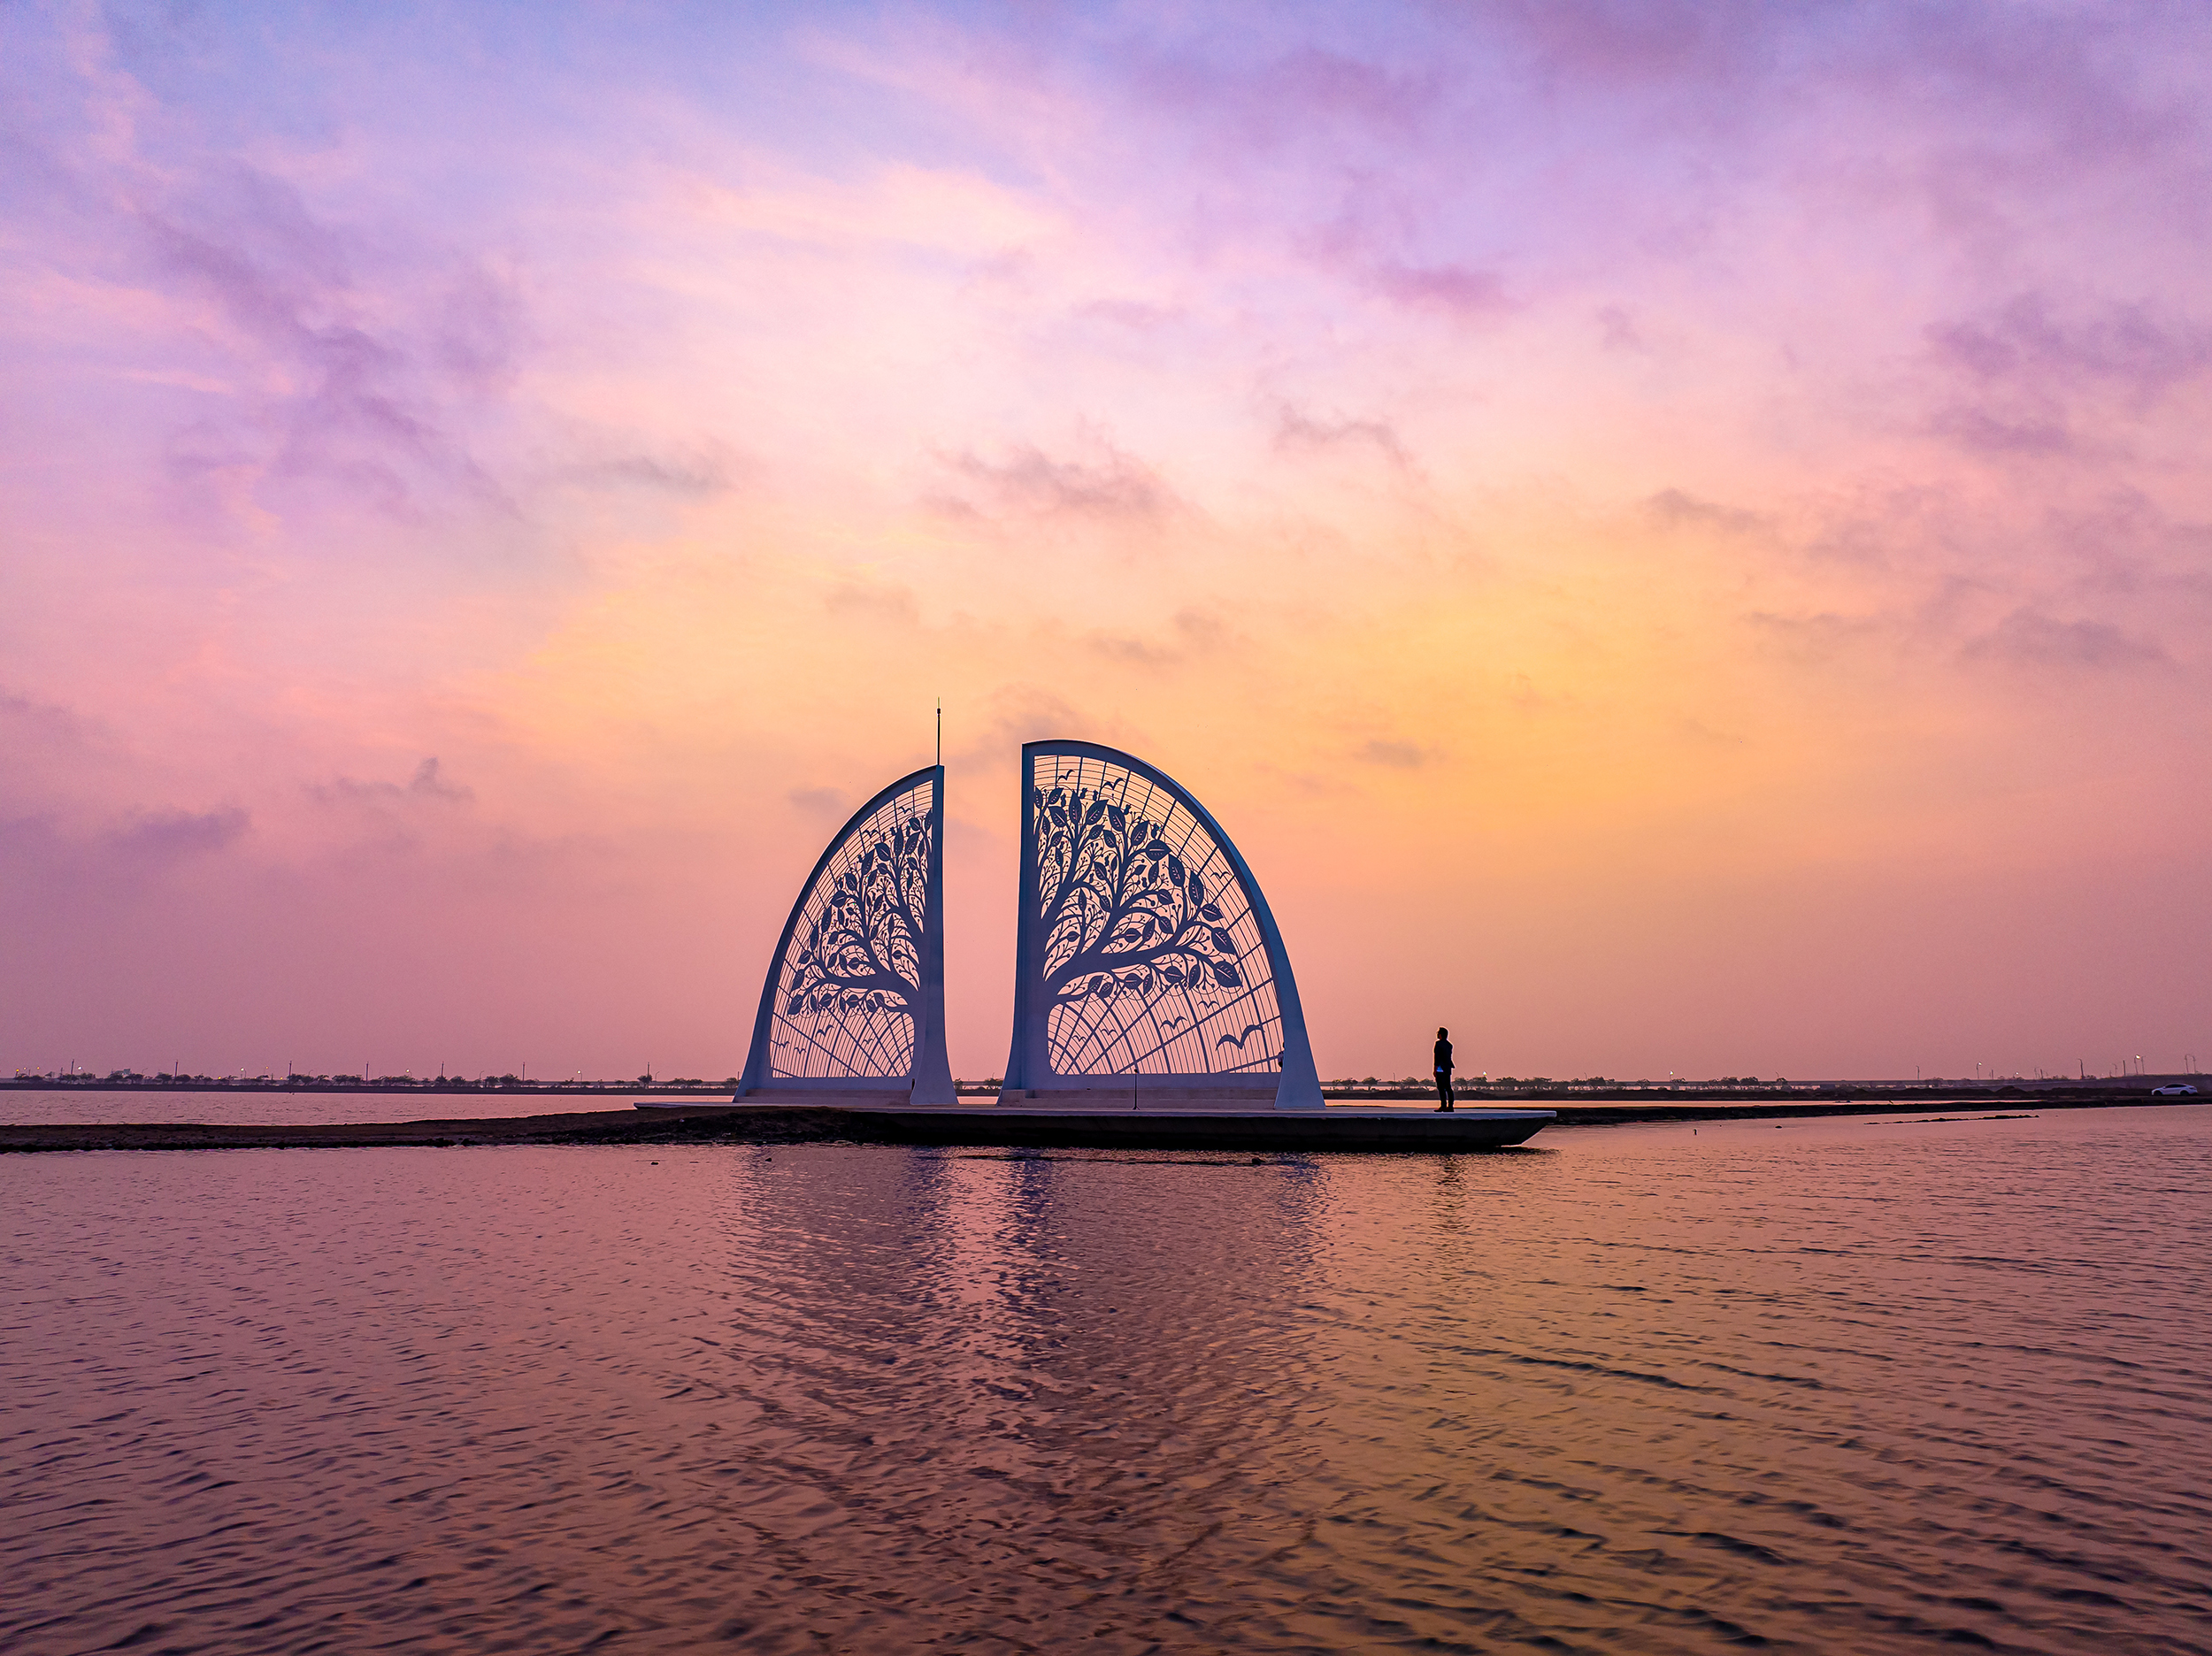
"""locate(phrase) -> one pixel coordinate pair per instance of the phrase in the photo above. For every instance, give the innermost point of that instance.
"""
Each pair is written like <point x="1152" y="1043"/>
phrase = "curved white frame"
<point x="930" y="1080"/>
<point x="1029" y="1065"/>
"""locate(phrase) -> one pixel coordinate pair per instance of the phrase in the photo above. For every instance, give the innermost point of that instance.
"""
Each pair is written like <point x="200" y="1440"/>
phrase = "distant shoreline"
<point x="305" y="1084"/>
<point x="1547" y="1094"/>
<point x="784" y="1124"/>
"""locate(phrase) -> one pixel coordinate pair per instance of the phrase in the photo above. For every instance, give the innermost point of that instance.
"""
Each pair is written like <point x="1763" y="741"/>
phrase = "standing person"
<point x="1443" y="1069"/>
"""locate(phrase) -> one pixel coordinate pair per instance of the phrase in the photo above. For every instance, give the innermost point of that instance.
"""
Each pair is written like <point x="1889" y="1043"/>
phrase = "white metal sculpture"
<point x="1144" y="951"/>
<point x="855" y="995"/>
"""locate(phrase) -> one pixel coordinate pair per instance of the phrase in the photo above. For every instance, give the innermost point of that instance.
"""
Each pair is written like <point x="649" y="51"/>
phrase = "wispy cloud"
<point x="428" y="785"/>
<point x="349" y="391"/>
<point x="54" y="872"/>
<point x="1108" y="486"/>
<point x="1395" y="755"/>
<point x="1454" y="289"/>
<point x="1297" y="431"/>
<point x="2128" y="346"/>
<point x="2029" y="639"/>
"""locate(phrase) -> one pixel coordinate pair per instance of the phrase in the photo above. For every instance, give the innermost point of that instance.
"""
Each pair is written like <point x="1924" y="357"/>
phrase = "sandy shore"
<point x="782" y="1125"/>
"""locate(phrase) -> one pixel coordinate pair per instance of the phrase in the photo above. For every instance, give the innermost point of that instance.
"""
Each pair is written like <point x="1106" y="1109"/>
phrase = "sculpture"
<point x="1145" y="952"/>
<point x="855" y="995"/>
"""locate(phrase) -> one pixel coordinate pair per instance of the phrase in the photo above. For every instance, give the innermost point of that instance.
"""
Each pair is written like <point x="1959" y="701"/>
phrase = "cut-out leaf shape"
<point x="1173" y="973"/>
<point x="1226" y="975"/>
<point x="1096" y="810"/>
<point x="1223" y="942"/>
<point x="1197" y="891"/>
<point x="1209" y="911"/>
<point x="1175" y="868"/>
<point x="798" y="1005"/>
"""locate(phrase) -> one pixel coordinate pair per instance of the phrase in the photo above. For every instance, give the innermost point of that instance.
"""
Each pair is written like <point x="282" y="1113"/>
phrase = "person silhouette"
<point x="1443" y="1069"/>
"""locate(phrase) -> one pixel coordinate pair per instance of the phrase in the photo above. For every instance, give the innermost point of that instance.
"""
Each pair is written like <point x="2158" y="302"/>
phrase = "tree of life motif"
<point x="859" y="957"/>
<point x="1125" y="915"/>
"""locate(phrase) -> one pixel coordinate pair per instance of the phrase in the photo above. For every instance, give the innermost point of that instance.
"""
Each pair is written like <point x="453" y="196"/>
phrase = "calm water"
<point x="1838" y="1387"/>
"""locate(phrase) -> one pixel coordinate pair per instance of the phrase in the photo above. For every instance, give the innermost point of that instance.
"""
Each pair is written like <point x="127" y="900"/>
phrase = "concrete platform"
<point x="1335" y="1128"/>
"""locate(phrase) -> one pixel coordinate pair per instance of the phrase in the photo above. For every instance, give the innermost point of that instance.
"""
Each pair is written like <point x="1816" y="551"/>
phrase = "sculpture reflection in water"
<point x="854" y="1002"/>
<point x="1147" y="960"/>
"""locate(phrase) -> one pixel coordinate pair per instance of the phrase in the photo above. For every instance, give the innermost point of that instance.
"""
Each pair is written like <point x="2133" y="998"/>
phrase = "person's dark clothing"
<point x="1443" y="1075"/>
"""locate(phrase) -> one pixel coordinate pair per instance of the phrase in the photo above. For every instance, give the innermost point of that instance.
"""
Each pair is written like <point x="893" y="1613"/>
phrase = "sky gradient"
<point x="1677" y="537"/>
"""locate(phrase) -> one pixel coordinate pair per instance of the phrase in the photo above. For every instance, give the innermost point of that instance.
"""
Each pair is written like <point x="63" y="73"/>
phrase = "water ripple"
<point x="1851" y="1389"/>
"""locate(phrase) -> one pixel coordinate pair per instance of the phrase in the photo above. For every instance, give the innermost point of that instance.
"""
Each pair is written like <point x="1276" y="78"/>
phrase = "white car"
<point x="2174" y="1089"/>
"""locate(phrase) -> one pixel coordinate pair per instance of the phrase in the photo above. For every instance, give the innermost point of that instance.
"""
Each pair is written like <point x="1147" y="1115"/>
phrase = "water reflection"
<point x="1065" y="1382"/>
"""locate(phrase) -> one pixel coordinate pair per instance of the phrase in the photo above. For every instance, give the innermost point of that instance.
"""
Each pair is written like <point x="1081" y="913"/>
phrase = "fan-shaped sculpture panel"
<point x="1145" y="949"/>
<point x="855" y="995"/>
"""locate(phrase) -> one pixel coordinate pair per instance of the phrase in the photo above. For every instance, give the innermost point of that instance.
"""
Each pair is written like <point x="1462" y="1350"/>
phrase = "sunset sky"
<point x="1678" y="537"/>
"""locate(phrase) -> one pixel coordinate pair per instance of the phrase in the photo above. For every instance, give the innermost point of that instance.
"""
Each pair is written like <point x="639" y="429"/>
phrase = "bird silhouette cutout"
<point x="1237" y="1041"/>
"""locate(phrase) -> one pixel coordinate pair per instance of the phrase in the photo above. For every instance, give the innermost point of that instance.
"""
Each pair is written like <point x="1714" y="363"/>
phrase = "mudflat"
<point x="788" y="1124"/>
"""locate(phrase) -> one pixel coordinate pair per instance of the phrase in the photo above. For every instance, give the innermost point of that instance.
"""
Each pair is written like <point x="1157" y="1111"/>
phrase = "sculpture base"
<point x="1148" y="1094"/>
<point x="1335" y="1128"/>
<point x="857" y="1096"/>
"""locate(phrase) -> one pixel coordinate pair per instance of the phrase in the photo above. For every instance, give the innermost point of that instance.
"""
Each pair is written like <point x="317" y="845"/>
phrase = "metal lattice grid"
<point x="1153" y="959"/>
<point x="848" y="988"/>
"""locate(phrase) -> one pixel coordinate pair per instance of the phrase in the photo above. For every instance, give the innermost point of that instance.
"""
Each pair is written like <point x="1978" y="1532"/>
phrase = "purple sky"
<point x="1676" y="536"/>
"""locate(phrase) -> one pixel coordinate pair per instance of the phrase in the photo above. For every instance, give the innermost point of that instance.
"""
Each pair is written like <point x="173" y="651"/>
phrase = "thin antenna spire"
<point x="941" y="729"/>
